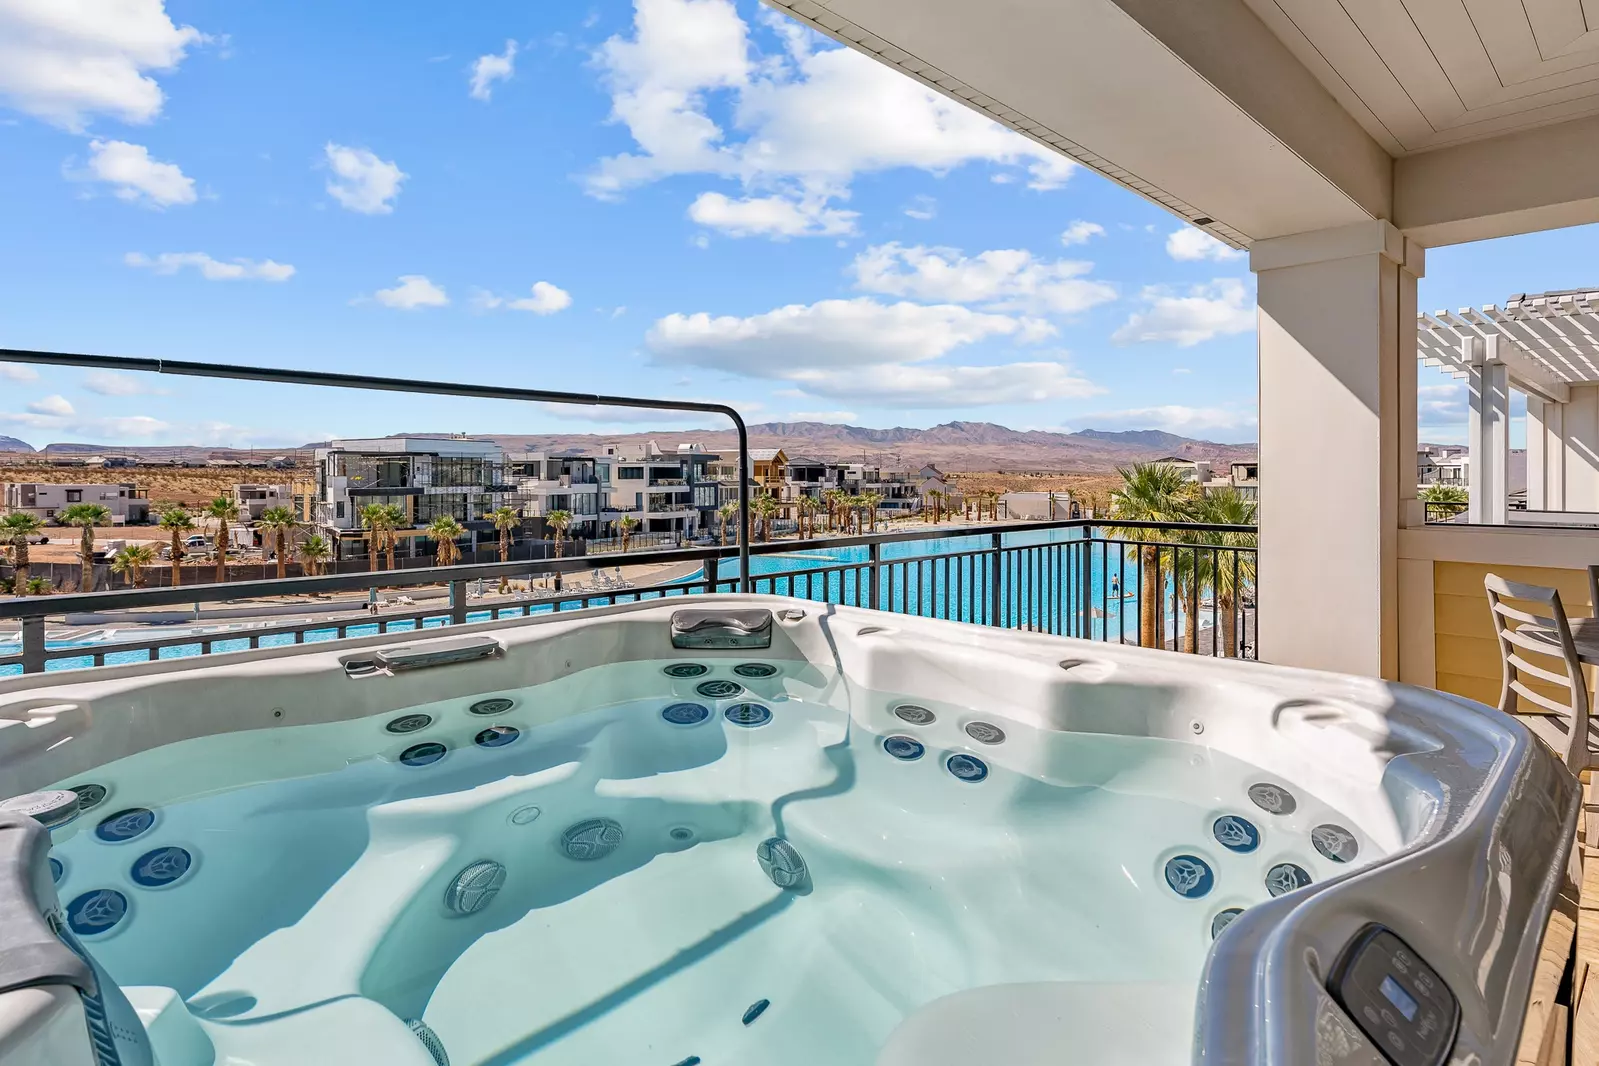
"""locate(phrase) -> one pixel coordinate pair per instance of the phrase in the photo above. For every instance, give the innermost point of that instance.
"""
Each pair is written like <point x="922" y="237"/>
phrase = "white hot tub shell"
<point x="1462" y="819"/>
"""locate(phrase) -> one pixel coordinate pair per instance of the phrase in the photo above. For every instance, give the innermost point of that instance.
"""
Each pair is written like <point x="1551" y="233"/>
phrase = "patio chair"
<point x="1552" y="637"/>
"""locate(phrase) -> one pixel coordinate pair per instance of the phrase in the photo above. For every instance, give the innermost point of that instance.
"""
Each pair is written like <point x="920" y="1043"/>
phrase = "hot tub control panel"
<point x="1398" y="1001"/>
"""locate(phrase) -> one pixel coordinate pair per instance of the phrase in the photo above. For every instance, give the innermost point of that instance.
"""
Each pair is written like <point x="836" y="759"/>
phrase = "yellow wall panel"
<point x="1463" y="633"/>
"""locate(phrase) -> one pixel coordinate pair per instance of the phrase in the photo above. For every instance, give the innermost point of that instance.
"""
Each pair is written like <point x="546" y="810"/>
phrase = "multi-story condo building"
<point x="654" y="489"/>
<point x="253" y="499"/>
<point x="704" y="487"/>
<point x="125" y="501"/>
<point x="426" y="477"/>
<point x="568" y="481"/>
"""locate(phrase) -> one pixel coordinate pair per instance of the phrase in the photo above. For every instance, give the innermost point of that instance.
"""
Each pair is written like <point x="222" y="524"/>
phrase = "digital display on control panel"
<point x="1399" y="997"/>
<point x="1398" y="1000"/>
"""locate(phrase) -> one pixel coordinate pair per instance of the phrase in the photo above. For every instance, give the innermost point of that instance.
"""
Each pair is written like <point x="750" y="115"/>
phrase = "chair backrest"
<point x="1548" y="636"/>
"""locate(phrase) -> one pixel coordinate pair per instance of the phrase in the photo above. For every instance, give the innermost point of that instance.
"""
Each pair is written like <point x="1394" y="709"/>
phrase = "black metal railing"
<point x="1436" y="512"/>
<point x="1182" y="587"/>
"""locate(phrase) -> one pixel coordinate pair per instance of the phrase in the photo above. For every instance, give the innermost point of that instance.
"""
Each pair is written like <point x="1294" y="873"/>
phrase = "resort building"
<point x="425" y="477"/>
<point x="652" y="488"/>
<point x="253" y="499"/>
<point x="125" y="501"/>
<point x="560" y="481"/>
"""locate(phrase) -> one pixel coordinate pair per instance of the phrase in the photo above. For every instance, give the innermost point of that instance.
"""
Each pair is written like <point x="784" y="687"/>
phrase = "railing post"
<point x="1085" y="575"/>
<point x="874" y="556"/>
<point x="33" y="644"/>
<point x="994" y="567"/>
<point x="458" y="603"/>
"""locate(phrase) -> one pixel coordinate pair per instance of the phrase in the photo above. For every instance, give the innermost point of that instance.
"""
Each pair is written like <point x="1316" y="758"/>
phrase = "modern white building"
<point x="425" y="477"/>
<point x="561" y="481"/>
<point x="125" y="501"/>
<point x="652" y="487"/>
<point x="253" y="499"/>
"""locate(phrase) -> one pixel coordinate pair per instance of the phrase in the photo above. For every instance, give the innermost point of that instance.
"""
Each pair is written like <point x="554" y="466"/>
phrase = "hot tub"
<point x="813" y="834"/>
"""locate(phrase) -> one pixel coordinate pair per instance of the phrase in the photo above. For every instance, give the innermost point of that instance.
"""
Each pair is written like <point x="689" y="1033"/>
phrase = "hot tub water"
<point x="620" y="871"/>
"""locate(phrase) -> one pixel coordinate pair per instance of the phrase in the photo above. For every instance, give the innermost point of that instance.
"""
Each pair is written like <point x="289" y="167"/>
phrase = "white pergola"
<point x="1546" y="346"/>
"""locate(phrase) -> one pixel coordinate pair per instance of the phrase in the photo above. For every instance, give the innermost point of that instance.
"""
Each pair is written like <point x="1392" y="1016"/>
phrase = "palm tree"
<point x="938" y="505"/>
<point x="808" y="506"/>
<point x="86" y="516"/>
<point x="132" y="560"/>
<point x="224" y="510"/>
<point x="443" y="531"/>
<point x="394" y="517"/>
<point x="870" y="500"/>
<point x="314" y="551"/>
<point x="277" y="523"/>
<point x="834" y="499"/>
<point x="17" y="527"/>
<point x="1234" y="571"/>
<point x="376" y="519"/>
<point x="176" y="521"/>
<point x="1445" y="501"/>
<point x="626" y="525"/>
<point x="560" y="521"/>
<point x="727" y="512"/>
<point x="763" y="507"/>
<point x="1150" y="492"/>
<point x="505" y="519"/>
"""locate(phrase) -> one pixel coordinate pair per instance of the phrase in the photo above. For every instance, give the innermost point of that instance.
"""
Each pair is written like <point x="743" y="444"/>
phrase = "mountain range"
<point x="953" y="446"/>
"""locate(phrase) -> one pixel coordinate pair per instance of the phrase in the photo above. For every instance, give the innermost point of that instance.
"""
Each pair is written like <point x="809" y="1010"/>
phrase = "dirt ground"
<point x="188" y="486"/>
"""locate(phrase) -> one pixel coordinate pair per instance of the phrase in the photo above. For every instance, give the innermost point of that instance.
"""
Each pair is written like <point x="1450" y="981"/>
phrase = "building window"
<point x="630" y="473"/>
<point x="338" y="509"/>
<point x="74" y="495"/>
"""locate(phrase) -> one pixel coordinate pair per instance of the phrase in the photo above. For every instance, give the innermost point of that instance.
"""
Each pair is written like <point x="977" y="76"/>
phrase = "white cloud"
<point x="864" y="351"/>
<point x="824" y="416"/>
<point x="134" y="176"/>
<point x="67" y="60"/>
<point x="829" y="335"/>
<point x="212" y="269"/>
<point x="487" y="70"/>
<point x="801" y="122"/>
<point x="1080" y="232"/>
<point x="592" y="413"/>
<point x="57" y="406"/>
<point x="922" y="208"/>
<point x="1192" y="245"/>
<point x="1445" y="404"/>
<point x="1003" y="279"/>
<point x="934" y="386"/>
<point x="547" y="299"/>
<point x="1174" y="418"/>
<point x="413" y="291"/>
<point x="107" y="429"/>
<point x="1217" y="309"/>
<point x="115" y="383"/>
<point x="361" y="181"/>
<point x="771" y="216"/>
<point x="18" y="372"/>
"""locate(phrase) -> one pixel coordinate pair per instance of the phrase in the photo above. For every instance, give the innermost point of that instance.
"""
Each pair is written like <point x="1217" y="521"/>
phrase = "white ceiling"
<point x="1420" y="74"/>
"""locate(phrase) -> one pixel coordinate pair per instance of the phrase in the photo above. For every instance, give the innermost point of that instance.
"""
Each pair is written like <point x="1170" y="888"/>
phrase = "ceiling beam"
<point x="1536" y="179"/>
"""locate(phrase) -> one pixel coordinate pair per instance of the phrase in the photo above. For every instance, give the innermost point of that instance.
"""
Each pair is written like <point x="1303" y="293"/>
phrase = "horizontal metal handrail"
<point x="211" y="592"/>
<point x="1004" y="572"/>
<point x="384" y="622"/>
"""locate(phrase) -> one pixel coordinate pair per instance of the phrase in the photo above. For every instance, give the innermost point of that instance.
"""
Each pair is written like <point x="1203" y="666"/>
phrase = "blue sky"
<point x="680" y="198"/>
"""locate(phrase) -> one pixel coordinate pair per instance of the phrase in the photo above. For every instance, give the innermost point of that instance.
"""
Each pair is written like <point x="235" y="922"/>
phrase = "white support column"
<point x="1488" y="433"/>
<point x="1546" y="454"/>
<point x="1337" y="314"/>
